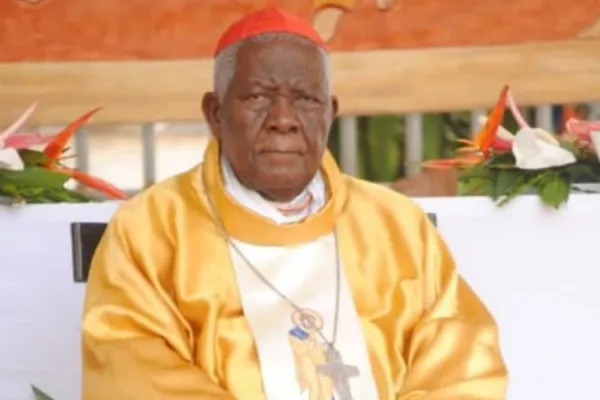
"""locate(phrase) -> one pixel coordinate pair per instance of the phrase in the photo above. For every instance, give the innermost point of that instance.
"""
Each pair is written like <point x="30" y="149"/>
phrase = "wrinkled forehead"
<point x="281" y="62"/>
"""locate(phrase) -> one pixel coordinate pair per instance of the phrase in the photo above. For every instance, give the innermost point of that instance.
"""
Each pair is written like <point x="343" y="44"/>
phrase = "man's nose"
<point x="283" y="118"/>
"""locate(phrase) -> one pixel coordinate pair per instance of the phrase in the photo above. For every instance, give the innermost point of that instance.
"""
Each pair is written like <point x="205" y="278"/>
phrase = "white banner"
<point x="536" y="269"/>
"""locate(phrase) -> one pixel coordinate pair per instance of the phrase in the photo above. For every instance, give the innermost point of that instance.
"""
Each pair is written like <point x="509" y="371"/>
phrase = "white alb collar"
<point x="255" y="202"/>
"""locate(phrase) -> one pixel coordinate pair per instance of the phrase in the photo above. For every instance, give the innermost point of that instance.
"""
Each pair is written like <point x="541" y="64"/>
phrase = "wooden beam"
<point x="373" y="82"/>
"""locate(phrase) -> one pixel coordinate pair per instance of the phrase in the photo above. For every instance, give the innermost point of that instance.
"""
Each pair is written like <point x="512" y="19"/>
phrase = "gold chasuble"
<point x="174" y="312"/>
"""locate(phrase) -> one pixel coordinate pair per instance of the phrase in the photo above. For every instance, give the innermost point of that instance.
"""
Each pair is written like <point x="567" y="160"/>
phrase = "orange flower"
<point x="92" y="182"/>
<point x="477" y="150"/>
<point x="55" y="149"/>
<point x="460" y="161"/>
<point x="486" y="135"/>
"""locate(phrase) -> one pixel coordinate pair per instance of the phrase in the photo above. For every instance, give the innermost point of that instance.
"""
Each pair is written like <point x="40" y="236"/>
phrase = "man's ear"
<point x="334" y="107"/>
<point x="210" y="109"/>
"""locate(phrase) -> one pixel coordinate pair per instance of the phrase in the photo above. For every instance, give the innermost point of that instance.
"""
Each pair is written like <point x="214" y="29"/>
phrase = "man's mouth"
<point x="282" y="153"/>
<point x="281" y="157"/>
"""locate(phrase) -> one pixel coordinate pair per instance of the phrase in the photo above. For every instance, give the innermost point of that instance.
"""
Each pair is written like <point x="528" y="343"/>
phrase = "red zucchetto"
<point x="269" y="19"/>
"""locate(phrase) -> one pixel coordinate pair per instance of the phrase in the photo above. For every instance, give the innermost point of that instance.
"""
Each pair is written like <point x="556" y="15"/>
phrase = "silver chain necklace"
<point x="307" y="320"/>
<point x="334" y="367"/>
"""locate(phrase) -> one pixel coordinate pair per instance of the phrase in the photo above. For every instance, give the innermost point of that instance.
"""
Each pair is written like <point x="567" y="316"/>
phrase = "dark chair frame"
<point x="85" y="237"/>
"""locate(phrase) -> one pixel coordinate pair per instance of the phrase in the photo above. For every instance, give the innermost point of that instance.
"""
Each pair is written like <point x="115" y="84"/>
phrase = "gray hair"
<point x="225" y="62"/>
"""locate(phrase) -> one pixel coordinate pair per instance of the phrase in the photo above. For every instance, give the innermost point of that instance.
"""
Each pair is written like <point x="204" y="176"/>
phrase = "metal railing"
<point x="349" y="151"/>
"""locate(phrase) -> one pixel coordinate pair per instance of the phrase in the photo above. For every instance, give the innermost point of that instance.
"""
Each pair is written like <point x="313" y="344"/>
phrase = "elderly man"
<point x="265" y="273"/>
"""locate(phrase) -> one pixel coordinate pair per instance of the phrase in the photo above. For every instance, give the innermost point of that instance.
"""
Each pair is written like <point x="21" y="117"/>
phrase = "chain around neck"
<point x="221" y="228"/>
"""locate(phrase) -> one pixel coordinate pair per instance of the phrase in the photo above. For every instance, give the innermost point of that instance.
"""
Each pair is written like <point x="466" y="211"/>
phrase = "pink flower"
<point x="26" y="140"/>
<point x="582" y="129"/>
<point x="501" y="145"/>
<point x="11" y="141"/>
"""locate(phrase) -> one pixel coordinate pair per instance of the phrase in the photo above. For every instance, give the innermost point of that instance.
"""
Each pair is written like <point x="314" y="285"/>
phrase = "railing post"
<point x="82" y="150"/>
<point x="414" y="143"/>
<point x="349" y="145"/>
<point x="543" y="118"/>
<point x="476" y="114"/>
<point x="148" y="154"/>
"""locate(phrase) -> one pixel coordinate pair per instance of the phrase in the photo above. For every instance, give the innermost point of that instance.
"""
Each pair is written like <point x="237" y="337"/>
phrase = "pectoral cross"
<point x="339" y="373"/>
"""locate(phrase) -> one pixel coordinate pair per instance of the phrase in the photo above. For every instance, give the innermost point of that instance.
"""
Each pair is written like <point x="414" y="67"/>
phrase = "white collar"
<point x="255" y="202"/>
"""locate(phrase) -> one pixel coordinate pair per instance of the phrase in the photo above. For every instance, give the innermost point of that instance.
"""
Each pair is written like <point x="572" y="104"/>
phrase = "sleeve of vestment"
<point x="453" y="352"/>
<point x="136" y="345"/>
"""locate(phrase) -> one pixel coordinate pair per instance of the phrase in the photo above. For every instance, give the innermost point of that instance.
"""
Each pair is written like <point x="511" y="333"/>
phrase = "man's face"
<point x="274" y="121"/>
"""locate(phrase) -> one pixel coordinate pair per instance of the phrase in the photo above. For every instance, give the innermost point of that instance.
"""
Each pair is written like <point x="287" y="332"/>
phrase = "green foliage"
<point x="381" y="143"/>
<point x="554" y="188"/>
<point x="35" y="185"/>
<point x="32" y="158"/>
<point x="499" y="179"/>
<point x="33" y="177"/>
<point x="381" y="158"/>
<point x="39" y="395"/>
<point x="435" y="141"/>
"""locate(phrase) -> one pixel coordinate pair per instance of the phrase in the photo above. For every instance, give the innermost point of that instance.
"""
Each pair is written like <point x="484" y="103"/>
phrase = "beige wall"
<point x="366" y="82"/>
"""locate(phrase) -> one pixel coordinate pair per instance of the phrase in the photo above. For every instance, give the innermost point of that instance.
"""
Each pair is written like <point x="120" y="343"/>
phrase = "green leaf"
<point x="32" y="158"/>
<point x="502" y="160"/>
<point x="54" y="195"/>
<point x="501" y="166"/>
<point x="477" y="180"/>
<point x="35" y="185"/>
<point x="506" y="181"/>
<point x="570" y="146"/>
<point x="39" y="395"/>
<point x="8" y="189"/>
<point x="554" y="189"/>
<point x="477" y="171"/>
<point x="579" y="171"/>
<point x="472" y="186"/>
<point x="489" y="189"/>
<point x="33" y="177"/>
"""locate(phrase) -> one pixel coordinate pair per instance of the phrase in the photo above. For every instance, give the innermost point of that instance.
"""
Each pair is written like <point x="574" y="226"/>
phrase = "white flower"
<point x="71" y="184"/>
<point x="10" y="159"/>
<point x="534" y="148"/>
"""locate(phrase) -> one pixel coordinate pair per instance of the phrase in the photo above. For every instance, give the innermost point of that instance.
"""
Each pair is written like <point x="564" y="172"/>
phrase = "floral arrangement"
<point x="503" y="165"/>
<point x="32" y="176"/>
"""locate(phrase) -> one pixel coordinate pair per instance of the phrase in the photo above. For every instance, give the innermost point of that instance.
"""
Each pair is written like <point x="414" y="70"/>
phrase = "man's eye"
<point x="257" y="97"/>
<point x="308" y="100"/>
